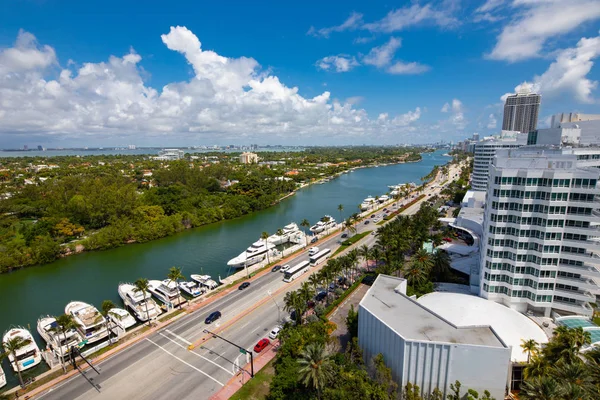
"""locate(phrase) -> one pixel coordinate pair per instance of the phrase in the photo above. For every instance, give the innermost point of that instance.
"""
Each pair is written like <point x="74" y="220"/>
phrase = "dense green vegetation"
<point x="53" y="207"/>
<point x="558" y="371"/>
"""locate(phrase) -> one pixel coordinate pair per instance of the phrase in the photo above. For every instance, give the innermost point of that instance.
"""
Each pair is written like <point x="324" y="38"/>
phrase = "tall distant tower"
<point x="521" y="111"/>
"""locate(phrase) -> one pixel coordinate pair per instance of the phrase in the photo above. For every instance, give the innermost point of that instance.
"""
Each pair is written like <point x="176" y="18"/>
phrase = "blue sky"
<point x="111" y="73"/>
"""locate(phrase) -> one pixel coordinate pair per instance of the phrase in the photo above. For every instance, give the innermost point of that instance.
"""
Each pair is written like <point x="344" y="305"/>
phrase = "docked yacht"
<point x="252" y="255"/>
<point x="327" y="222"/>
<point x="191" y="288"/>
<point x="121" y="318"/>
<point x="58" y="341"/>
<point x="383" y="198"/>
<point x="367" y="203"/>
<point x="138" y="302"/>
<point x="90" y="323"/>
<point x="204" y="280"/>
<point x="2" y="377"/>
<point x="27" y="356"/>
<point x="166" y="291"/>
<point x="290" y="234"/>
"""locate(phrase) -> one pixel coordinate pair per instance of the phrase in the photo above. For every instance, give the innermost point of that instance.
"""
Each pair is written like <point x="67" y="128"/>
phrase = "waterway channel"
<point x="92" y="277"/>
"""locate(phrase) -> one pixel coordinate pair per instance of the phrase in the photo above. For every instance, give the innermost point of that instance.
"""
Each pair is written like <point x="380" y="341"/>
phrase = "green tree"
<point x="64" y="323"/>
<point x="352" y="322"/>
<point x="530" y="347"/>
<point x="141" y="285"/>
<point x="11" y="347"/>
<point x="340" y="208"/>
<point x="541" y="388"/>
<point x="264" y="236"/>
<point x="175" y="275"/>
<point x="305" y="224"/>
<point x="440" y="266"/>
<point x="316" y="369"/>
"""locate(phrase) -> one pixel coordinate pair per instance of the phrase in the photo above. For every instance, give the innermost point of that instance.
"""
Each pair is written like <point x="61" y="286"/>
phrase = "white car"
<point x="284" y="268"/>
<point x="313" y="250"/>
<point x="275" y="332"/>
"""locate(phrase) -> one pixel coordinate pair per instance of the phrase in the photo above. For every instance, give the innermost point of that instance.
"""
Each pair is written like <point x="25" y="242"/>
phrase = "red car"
<point x="260" y="346"/>
<point x="447" y="239"/>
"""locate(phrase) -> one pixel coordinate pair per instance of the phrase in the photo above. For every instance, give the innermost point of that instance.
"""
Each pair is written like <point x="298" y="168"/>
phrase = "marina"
<point x="94" y="277"/>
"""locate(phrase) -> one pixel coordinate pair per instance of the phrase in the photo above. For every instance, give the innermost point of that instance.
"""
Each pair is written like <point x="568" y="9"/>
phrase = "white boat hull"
<point x="191" y="288"/>
<point x="54" y="339"/>
<point x="100" y="331"/>
<point x="27" y="357"/>
<point x="139" y="310"/>
<point x="121" y="318"/>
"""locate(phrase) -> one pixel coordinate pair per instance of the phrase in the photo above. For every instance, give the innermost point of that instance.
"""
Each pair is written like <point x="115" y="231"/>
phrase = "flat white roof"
<point x="414" y="321"/>
<point x="465" y="310"/>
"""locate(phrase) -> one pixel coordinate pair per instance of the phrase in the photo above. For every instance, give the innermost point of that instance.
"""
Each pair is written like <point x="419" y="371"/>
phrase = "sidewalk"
<point x="241" y="377"/>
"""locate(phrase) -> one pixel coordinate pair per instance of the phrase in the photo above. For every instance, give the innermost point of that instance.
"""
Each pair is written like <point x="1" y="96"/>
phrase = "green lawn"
<point x="257" y="388"/>
<point x="350" y="241"/>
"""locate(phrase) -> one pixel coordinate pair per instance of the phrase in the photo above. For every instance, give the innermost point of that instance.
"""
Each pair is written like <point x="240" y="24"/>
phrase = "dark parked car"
<point x="321" y="296"/>
<point x="369" y="279"/>
<point x="276" y="268"/>
<point x="215" y="315"/>
<point x="373" y="216"/>
<point x="314" y="240"/>
<point x="260" y="346"/>
<point x="367" y="222"/>
<point x="293" y="315"/>
<point x="244" y="285"/>
<point x="385" y="209"/>
<point x="344" y="235"/>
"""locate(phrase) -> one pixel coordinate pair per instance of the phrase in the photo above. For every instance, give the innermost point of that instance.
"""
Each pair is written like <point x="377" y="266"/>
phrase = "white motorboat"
<point x="289" y="234"/>
<point x="141" y="304"/>
<point x="167" y="291"/>
<point x="2" y="377"/>
<point x="121" y="318"/>
<point x="252" y="255"/>
<point x="367" y="203"/>
<point x="90" y="323"/>
<point x="395" y="192"/>
<point x="191" y="288"/>
<point x="204" y="280"/>
<point x="27" y="356"/>
<point x="58" y="341"/>
<point x="327" y="222"/>
<point x="383" y="198"/>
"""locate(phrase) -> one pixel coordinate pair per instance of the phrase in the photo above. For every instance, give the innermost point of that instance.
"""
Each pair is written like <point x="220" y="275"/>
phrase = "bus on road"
<point x="320" y="257"/>
<point x="296" y="271"/>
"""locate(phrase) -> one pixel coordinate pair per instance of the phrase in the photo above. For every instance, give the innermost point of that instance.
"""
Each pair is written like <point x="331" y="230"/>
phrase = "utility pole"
<point x="242" y="350"/>
<point x="276" y="305"/>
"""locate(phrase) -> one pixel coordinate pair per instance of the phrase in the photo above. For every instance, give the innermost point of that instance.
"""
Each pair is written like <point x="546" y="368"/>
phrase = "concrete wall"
<point x="433" y="364"/>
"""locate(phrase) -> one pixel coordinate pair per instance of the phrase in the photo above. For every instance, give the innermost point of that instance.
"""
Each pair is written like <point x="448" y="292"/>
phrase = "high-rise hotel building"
<point x="540" y="249"/>
<point x="521" y="111"/>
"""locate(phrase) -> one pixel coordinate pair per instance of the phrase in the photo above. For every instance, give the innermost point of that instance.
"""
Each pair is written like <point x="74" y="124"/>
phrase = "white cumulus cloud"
<point x="227" y="98"/>
<point x="492" y="122"/>
<point x="568" y="74"/>
<point x="382" y="55"/>
<point x="535" y="22"/>
<point x="351" y="23"/>
<point x="339" y="63"/>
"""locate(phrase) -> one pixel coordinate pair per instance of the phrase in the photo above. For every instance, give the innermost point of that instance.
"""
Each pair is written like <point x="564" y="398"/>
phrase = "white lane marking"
<point x="186" y="363"/>
<point x="196" y="354"/>
<point x="178" y="337"/>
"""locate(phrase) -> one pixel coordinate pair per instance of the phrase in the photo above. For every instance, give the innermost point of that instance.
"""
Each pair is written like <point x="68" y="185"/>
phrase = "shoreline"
<point x="76" y="248"/>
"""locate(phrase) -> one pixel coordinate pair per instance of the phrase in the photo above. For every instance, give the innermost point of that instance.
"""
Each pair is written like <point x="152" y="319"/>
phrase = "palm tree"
<point x="280" y="233"/>
<point x="316" y="368"/>
<point x="365" y="253"/>
<point x="541" y="388"/>
<point x="423" y="259"/>
<point x="11" y="346"/>
<point x="64" y="323"/>
<point x="326" y="219"/>
<point x="350" y="226"/>
<point x="175" y="275"/>
<point x="530" y="346"/>
<point x="314" y="280"/>
<point x="305" y="292"/>
<point x="141" y="285"/>
<point x="107" y="305"/>
<point x="414" y="274"/>
<point x="340" y="209"/>
<point x="264" y="237"/>
<point x="536" y="367"/>
<point x="305" y="224"/>
<point x="440" y="267"/>
<point x="376" y="254"/>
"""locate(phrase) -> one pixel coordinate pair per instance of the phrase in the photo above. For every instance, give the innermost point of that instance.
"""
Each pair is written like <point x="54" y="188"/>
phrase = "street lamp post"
<point x="276" y="305"/>
<point x="242" y="350"/>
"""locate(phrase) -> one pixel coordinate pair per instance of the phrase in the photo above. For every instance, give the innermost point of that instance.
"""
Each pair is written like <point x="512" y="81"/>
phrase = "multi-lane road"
<point x="162" y="365"/>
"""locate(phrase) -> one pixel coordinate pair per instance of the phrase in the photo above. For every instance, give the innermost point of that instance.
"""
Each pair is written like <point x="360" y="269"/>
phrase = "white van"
<point x="312" y="251"/>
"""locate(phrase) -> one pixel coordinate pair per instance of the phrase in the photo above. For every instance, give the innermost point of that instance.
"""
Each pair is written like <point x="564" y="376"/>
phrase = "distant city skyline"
<point x="231" y="72"/>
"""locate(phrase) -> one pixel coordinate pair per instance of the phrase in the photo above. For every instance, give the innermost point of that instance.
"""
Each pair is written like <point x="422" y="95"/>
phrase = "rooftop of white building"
<point x="414" y="321"/>
<point x="470" y="310"/>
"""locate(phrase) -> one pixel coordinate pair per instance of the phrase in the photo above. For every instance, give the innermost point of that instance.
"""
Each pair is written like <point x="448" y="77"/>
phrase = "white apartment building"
<point x="485" y="152"/>
<point x="248" y="158"/>
<point x="540" y="249"/>
<point x="170" y="155"/>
